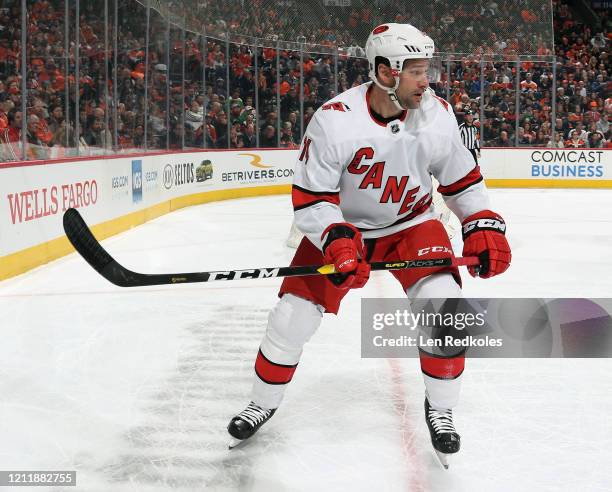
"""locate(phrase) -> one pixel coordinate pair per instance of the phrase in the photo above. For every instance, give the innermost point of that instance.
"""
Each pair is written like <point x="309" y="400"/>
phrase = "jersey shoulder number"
<point x="305" y="153"/>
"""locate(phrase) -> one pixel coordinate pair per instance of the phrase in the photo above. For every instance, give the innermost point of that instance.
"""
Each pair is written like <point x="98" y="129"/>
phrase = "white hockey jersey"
<point x="354" y="168"/>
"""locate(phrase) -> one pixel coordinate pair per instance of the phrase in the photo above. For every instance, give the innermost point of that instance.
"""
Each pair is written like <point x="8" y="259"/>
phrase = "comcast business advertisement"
<point x="588" y="165"/>
<point x="478" y="327"/>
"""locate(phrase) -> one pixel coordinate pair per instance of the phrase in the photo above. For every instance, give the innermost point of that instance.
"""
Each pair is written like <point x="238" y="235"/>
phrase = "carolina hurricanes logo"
<point x="338" y="106"/>
<point x="256" y="161"/>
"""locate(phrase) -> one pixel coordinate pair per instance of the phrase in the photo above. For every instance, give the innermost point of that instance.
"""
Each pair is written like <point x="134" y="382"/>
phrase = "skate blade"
<point x="444" y="458"/>
<point x="234" y="443"/>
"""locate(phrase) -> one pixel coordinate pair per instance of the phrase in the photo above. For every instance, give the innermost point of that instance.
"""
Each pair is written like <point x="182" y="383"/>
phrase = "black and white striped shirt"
<point x="469" y="136"/>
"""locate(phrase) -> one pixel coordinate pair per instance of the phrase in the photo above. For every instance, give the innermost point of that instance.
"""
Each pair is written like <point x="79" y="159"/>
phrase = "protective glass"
<point x="434" y="74"/>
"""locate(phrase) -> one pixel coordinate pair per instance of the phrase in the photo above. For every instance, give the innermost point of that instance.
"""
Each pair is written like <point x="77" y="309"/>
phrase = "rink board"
<point x="547" y="168"/>
<point x="115" y="194"/>
<point x="120" y="192"/>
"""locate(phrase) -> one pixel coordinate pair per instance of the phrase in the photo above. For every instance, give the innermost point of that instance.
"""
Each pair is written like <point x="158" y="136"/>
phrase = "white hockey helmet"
<point x="395" y="43"/>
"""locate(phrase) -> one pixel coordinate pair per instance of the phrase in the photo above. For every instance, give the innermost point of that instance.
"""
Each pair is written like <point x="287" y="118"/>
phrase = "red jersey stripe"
<point x="303" y="198"/>
<point x="463" y="184"/>
<point x="443" y="102"/>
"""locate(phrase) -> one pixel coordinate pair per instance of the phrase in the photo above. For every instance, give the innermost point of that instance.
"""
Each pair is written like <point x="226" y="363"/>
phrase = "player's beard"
<point x="411" y="102"/>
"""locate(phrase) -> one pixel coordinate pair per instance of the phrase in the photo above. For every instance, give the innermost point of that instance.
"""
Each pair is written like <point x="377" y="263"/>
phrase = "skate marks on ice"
<point x="183" y="443"/>
<point x="407" y="428"/>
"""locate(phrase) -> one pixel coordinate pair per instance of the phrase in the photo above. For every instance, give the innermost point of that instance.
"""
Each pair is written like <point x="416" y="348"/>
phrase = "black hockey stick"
<point x="92" y="251"/>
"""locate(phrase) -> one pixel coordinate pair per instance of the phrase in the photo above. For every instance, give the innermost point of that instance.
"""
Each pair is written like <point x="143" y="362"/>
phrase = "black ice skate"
<point x="444" y="437"/>
<point x="247" y="423"/>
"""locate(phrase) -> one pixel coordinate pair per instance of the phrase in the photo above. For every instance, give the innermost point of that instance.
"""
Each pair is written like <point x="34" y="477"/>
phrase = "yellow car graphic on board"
<point x="204" y="171"/>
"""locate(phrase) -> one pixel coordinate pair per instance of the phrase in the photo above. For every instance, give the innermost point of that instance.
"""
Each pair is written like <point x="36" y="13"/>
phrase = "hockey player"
<point x="362" y="192"/>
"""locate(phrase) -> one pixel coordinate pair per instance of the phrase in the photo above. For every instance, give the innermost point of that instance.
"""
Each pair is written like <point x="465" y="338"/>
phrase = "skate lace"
<point x="254" y="414"/>
<point x="441" y="420"/>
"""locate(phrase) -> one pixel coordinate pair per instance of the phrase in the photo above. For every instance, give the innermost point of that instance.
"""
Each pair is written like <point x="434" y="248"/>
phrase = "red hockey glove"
<point x="484" y="236"/>
<point x="344" y="247"/>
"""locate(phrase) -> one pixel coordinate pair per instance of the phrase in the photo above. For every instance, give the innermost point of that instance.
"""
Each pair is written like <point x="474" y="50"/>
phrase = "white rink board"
<point x="587" y="165"/>
<point x="34" y="196"/>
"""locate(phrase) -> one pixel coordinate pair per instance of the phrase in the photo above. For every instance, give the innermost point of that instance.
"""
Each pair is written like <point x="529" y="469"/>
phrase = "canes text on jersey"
<point x="394" y="189"/>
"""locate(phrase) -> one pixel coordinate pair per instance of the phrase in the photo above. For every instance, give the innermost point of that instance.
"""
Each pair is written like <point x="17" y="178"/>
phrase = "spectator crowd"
<point x="199" y="91"/>
<point x="582" y="101"/>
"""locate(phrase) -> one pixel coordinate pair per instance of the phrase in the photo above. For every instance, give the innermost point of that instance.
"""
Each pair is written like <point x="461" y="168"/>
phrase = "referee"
<point x="469" y="135"/>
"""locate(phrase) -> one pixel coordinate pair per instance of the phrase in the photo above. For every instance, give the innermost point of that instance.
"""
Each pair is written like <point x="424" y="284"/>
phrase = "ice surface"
<point x="133" y="388"/>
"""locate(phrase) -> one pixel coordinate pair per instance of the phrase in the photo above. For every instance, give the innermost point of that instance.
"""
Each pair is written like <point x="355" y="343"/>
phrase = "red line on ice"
<point x="414" y="470"/>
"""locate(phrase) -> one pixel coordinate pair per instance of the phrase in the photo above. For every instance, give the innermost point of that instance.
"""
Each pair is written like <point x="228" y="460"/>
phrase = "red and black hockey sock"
<point x="271" y="372"/>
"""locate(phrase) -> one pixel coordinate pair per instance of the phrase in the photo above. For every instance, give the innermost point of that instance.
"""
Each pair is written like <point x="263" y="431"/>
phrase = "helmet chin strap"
<point x="391" y="92"/>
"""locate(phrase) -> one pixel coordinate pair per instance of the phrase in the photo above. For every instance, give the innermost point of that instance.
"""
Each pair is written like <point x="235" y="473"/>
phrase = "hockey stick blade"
<point x="92" y="251"/>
